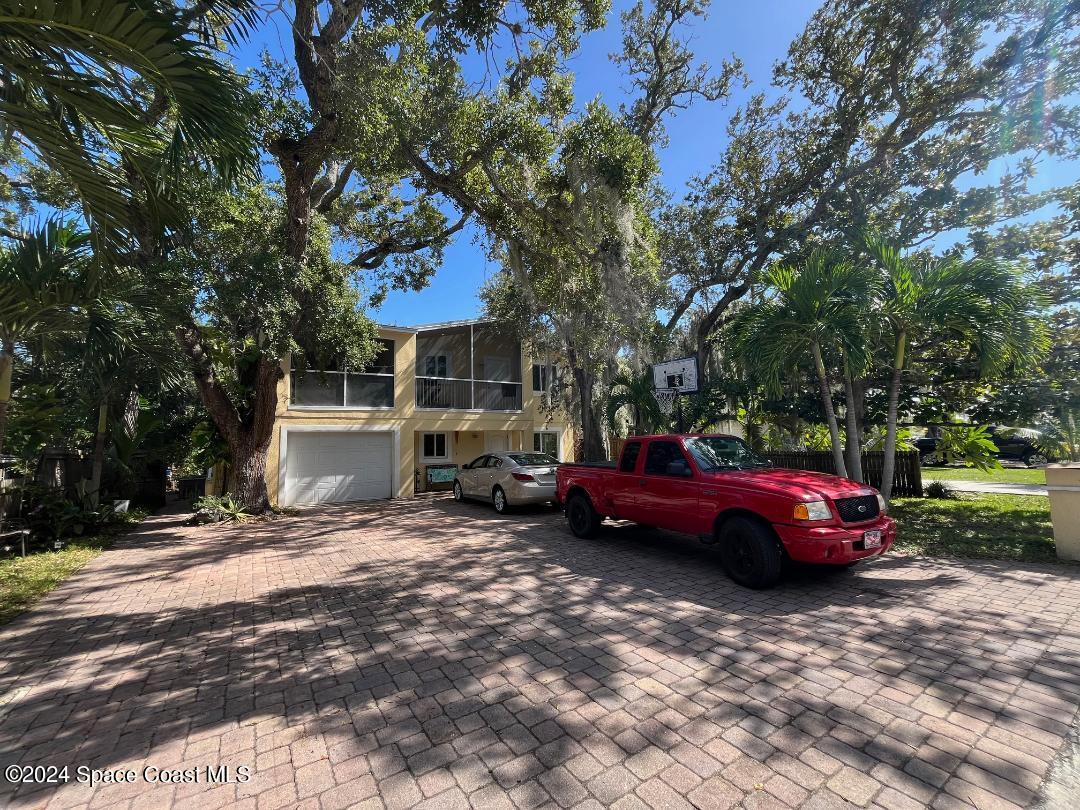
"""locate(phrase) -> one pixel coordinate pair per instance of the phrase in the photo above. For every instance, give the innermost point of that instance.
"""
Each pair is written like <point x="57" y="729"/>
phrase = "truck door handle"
<point x="642" y="481"/>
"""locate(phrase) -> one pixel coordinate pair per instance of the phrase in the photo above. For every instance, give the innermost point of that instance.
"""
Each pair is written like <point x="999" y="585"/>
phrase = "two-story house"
<point x="436" y="395"/>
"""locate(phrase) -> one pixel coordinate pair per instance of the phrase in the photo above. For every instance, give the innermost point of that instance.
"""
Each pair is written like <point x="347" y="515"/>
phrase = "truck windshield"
<point x="722" y="453"/>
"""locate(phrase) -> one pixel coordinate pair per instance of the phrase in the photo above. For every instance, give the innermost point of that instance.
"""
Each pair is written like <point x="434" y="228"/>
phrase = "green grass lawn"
<point x="1006" y="527"/>
<point x="24" y="580"/>
<point x="1011" y="475"/>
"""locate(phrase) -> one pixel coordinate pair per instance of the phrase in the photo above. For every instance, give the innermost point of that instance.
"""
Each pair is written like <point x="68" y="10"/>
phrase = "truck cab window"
<point x="629" y="457"/>
<point x="660" y="455"/>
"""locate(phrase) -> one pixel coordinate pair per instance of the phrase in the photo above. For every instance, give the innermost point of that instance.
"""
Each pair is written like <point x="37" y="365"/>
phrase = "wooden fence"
<point x="907" y="478"/>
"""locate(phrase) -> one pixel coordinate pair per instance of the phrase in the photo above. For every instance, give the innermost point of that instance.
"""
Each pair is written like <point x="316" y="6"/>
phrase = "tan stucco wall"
<point x="465" y="427"/>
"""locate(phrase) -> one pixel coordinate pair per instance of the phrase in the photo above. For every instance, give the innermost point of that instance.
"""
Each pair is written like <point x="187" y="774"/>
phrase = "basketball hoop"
<point x="672" y="378"/>
<point x="665" y="398"/>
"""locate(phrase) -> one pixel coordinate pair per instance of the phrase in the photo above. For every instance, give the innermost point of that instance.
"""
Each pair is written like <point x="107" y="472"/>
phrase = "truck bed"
<point x="603" y="465"/>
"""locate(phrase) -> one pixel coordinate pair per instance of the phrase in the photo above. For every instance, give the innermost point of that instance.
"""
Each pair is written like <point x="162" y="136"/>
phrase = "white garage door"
<point x="325" y="467"/>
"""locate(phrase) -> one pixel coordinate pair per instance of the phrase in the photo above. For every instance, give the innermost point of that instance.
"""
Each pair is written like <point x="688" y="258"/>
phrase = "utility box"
<point x="1063" y="484"/>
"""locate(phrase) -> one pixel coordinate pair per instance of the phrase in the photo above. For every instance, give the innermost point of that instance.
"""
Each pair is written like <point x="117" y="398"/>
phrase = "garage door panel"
<point x="327" y="467"/>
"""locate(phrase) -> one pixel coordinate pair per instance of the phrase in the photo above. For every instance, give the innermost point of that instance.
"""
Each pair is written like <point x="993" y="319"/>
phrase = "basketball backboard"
<point x="680" y="375"/>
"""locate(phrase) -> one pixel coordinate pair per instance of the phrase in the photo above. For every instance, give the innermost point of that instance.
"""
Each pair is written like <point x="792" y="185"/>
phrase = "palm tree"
<point x="810" y="312"/>
<point x="107" y="92"/>
<point x="636" y="393"/>
<point x="47" y="282"/>
<point x="984" y="304"/>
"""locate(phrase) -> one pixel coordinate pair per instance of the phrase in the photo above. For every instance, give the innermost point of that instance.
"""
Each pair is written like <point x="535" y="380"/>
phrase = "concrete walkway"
<point x="997" y="487"/>
<point x="430" y="654"/>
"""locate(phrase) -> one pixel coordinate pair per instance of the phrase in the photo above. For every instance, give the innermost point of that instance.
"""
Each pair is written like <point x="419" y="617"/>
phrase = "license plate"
<point x="872" y="539"/>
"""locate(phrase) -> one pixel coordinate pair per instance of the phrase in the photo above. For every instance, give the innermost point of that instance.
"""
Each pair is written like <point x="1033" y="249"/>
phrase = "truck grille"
<point x="856" y="510"/>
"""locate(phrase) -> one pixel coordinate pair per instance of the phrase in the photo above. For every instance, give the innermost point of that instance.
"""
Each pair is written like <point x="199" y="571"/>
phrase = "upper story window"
<point x="339" y="387"/>
<point x="541" y="376"/>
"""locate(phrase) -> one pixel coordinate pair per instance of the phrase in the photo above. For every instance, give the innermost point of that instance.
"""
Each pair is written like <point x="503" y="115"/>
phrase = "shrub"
<point x="51" y="516"/>
<point x="940" y="490"/>
<point x="219" y="509"/>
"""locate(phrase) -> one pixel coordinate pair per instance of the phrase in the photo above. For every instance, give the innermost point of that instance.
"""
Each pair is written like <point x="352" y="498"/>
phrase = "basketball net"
<point x="665" y="398"/>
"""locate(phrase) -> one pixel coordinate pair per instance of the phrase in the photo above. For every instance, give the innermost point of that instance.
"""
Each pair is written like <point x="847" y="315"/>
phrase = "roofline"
<point x="389" y="327"/>
<point x="426" y="327"/>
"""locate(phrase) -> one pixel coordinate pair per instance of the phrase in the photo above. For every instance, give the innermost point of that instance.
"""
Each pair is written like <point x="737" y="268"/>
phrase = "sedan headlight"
<point x="813" y="510"/>
<point x="882" y="506"/>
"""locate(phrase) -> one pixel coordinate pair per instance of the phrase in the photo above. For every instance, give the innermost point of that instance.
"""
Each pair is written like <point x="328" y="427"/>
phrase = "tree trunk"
<point x="7" y="362"/>
<point x="99" y="454"/>
<point x="592" y="440"/>
<point x="249" y="436"/>
<point x="247" y="433"/>
<point x="131" y="414"/>
<point x="830" y="413"/>
<point x="249" y="475"/>
<point x="852" y="442"/>
<point x="888" y="464"/>
<point x="859" y="389"/>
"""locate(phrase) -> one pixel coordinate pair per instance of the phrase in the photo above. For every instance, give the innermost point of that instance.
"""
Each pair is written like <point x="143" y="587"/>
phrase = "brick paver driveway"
<point x="433" y="653"/>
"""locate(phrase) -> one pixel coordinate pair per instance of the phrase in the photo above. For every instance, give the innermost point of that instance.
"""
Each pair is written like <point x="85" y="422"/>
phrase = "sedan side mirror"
<point x="467" y="465"/>
<point x="679" y="468"/>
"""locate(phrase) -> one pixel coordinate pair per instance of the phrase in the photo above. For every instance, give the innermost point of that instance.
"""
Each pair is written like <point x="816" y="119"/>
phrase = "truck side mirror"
<point x="679" y="468"/>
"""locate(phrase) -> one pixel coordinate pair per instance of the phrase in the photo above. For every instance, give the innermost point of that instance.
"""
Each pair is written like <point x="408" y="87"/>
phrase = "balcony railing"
<point x="341" y="389"/>
<point x="454" y="394"/>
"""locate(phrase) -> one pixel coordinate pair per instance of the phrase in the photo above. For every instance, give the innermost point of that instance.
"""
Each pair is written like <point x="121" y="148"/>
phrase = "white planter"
<point x="1063" y="483"/>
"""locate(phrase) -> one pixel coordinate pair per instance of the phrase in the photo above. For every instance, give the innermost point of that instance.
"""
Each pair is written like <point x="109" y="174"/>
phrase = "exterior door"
<point x="668" y="501"/>
<point x="337" y="467"/>
<point x="496" y="441"/>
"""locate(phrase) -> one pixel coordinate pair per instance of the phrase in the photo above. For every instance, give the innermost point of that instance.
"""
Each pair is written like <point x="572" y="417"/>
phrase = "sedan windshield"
<point x="722" y="453"/>
<point x="526" y="459"/>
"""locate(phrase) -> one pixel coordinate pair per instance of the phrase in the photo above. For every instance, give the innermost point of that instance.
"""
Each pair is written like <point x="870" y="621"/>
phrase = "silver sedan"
<point x="506" y="479"/>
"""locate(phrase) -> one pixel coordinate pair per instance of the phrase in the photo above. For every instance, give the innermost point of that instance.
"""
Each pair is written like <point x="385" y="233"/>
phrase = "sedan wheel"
<point x="498" y="497"/>
<point x="1037" y="460"/>
<point x="459" y="494"/>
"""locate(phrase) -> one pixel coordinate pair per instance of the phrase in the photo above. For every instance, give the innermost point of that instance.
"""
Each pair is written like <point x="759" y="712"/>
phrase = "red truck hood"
<point x="795" y="484"/>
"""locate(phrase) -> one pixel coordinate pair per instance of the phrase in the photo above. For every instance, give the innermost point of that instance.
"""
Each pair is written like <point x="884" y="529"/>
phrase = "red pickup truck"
<point x="714" y="487"/>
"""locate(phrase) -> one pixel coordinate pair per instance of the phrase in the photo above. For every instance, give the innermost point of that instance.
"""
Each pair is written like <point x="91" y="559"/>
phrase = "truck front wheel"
<point x="750" y="552"/>
<point x="583" y="520"/>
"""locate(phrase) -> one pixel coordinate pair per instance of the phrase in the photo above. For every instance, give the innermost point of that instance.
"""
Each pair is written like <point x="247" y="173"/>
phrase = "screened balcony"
<point x="373" y="387"/>
<point x="470" y="367"/>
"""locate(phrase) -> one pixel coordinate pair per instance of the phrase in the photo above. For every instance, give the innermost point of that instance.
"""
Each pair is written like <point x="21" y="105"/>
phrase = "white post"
<point x="472" y="366"/>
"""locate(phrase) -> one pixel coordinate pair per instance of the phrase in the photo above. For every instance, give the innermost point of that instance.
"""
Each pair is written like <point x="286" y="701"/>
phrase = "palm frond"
<point x="69" y="74"/>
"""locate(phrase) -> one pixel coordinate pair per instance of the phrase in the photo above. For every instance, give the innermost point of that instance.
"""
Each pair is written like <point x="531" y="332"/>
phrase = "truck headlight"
<point x="813" y="510"/>
<point x="882" y="506"/>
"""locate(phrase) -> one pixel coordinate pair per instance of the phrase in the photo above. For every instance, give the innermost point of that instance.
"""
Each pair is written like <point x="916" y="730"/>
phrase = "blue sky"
<point x="758" y="33"/>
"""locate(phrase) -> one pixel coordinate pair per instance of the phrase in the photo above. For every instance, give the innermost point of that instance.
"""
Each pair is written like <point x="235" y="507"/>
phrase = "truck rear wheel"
<point x="750" y="552"/>
<point x="583" y="520"/>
